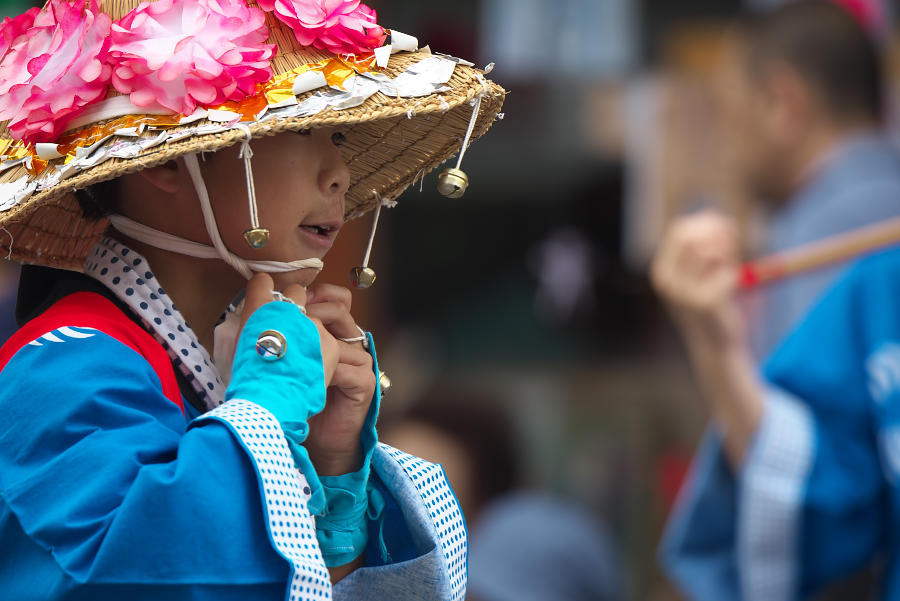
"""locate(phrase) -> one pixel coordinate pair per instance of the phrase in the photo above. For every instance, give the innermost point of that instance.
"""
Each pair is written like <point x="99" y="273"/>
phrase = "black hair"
<point x="828" y="48"/>
<point x="98" y="200"/>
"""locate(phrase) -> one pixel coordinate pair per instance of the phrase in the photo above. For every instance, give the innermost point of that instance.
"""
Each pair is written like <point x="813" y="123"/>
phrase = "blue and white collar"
<point x="128" y="275"/>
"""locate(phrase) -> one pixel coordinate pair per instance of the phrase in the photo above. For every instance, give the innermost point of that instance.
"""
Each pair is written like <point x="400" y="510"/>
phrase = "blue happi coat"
<point x="817" y="497"/>
<point x="111" y="489"/>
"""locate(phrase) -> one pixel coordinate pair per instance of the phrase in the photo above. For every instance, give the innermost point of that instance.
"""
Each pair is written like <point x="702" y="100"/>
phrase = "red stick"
<point x="822" y="253"/>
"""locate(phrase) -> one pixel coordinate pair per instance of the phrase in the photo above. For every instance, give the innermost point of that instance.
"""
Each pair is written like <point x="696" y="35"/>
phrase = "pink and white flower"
<point x="13" y="27"/>
<point x="338" y="26"/>
<point x="53" y="65"/>
<point x="179" y="54"/>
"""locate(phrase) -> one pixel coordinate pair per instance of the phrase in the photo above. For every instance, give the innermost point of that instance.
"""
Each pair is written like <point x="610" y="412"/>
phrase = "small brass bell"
<point x="362" y="277"/>
<point x="257" y="237"/>
<point x="453" y="183"/>
<point x="384" y="382"/>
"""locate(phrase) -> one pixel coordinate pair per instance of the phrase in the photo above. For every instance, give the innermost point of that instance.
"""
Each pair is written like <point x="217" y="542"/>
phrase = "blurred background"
<point x="524" y="344"/>
<point x="530" y="293"/>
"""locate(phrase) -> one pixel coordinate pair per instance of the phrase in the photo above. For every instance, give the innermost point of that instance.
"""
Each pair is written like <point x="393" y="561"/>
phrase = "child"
<point x="133" y="465"/>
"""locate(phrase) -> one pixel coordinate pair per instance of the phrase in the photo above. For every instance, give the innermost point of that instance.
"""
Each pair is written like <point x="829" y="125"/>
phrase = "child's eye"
<point x="337" y="138"/>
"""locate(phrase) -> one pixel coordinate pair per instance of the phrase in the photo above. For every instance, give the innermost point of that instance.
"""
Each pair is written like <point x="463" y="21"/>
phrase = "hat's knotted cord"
<point x="209" y="218"/>
<point x="476" y="109"/>
<point x="375" y="217"/>
<point x="165" y="241"/>
<point x="246" y="154"/>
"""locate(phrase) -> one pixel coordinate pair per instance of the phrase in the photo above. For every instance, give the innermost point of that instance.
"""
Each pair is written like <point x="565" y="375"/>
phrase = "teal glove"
<point x="291" y="388"/>
<point x="350" y="499"/>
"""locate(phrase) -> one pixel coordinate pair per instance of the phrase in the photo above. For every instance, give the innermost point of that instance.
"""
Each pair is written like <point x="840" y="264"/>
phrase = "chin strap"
<point x="158" y="239"/>
<point x="165" y="241"/>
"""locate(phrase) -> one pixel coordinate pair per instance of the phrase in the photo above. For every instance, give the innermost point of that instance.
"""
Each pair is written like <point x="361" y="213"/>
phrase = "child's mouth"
<point x="321" y="235"/>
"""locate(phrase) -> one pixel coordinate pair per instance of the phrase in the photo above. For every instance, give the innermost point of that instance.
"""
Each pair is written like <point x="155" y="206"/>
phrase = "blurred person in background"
<point x="794" y="488"/>
<point x="523" y="545"/>
<point x="805" y="115"/>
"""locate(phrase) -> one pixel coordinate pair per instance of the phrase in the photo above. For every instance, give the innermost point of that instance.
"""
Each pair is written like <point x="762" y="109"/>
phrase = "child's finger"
<point x="336" y="318"/>
<point x="329" y="293"/>
<point x="259" y="292"/>
<point x="296" y="293"/>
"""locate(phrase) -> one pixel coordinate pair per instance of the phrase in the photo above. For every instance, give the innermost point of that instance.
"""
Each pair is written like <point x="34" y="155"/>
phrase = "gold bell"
<point x="453" y="183"/>
<point x="257" y="237"/>
<point x="384" y="382"/>
<point x="362" y="277"/>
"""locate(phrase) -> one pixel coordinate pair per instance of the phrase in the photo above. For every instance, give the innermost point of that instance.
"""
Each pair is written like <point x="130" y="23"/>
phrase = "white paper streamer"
<point x="401" y="42"/>
<point x="12" y="193"/>
<point x="309" y="81"/>
<point x="47" y="151"/>
<point x="222" y="116"/>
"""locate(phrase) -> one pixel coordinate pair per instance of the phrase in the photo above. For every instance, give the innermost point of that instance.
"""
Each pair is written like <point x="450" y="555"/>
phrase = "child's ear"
<point x="166" y="177"/>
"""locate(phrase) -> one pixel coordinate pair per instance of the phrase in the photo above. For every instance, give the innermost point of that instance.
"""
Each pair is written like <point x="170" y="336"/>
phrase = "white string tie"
<point x="483" y="82"/>
<point x="165" y="241"/>
<point x="241" y="265"/>
<point x="374" y="227"/>
<point x="209" y="218"/>
<point x="468" y="139"/>
<point x="246" y="153"/>
<point x="420" y="177"/>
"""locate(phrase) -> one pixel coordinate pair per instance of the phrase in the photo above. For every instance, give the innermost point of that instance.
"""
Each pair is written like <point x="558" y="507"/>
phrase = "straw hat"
<point x="116" y="104"/>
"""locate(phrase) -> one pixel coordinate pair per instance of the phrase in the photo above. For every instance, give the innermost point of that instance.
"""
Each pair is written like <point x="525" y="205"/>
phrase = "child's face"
<point x="300" y="181"/>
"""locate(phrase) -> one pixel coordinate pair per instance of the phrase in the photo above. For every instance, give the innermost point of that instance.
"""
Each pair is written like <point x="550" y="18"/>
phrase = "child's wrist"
<point x="336" y="463"/>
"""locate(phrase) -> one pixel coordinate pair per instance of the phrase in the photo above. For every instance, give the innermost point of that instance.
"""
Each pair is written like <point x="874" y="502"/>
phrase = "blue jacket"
<point x="109" y="489"/>
<point x="818" y="495"/>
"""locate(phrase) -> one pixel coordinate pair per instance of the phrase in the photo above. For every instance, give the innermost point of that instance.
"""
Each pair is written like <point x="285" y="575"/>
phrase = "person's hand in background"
<point x="696" y="272"/>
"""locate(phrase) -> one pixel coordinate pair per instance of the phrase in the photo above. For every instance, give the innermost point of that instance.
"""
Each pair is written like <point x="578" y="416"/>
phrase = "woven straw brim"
<point x="391" y="142"/>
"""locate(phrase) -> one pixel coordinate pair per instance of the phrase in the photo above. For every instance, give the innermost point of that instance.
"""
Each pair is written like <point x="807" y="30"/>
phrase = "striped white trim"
<point x="441" y="509"/>
<point x="292" y="530"/>
<point x="773" y="484"/>
<point x="64" y="334"/>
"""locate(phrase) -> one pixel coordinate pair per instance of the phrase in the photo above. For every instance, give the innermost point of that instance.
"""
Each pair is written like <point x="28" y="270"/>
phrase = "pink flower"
<point x="13" y="27"/>
<point x="338" y="26"/>
<point x="182" y="54"/>
<point x="53" y="64"/>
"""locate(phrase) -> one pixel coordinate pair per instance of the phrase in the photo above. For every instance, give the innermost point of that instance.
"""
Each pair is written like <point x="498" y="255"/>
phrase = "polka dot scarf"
<point x="128" y="275"/>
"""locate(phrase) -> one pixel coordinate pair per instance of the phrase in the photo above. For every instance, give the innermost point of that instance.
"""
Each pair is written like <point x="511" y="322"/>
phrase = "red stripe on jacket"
<point x="91" y="310"/>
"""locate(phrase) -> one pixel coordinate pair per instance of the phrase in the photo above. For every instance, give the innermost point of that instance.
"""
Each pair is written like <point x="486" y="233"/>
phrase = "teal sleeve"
<point x="291" y="388"/>
<point x="350" y="499"/>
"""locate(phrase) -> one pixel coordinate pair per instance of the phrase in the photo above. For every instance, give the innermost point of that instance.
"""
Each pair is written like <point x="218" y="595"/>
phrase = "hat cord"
<point x="209" y="218"/>
<point x="165" y="241"/>
<point x="375" y="217"/>
<point x="468" y="139"/>
<point x="246" y="154"/>
<point x="178" y="245"/>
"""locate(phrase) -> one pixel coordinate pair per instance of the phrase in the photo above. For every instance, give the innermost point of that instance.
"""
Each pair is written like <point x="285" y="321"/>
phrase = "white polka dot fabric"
<point x="128" y="275"/>
<point x="446" y="515"/>
<point x="291" y="528"/>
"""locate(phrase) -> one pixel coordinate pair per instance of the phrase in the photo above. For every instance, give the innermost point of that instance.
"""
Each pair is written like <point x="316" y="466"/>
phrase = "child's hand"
<point x="259" y="292"/>
<point x="334" y="434"/>
<point x="696" y="271"/>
